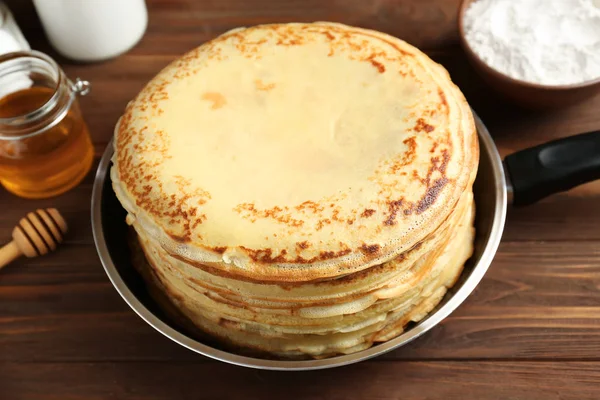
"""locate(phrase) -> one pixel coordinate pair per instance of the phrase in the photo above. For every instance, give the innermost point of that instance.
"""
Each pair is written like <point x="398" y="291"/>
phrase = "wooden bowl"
<point x="526" y="94"/>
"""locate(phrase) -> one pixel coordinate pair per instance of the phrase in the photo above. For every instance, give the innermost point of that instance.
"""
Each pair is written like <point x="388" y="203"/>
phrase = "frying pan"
<point x="534" y="173"/>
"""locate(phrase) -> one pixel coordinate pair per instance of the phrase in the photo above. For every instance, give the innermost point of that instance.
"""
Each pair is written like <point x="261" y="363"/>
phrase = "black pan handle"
<point x="553" y="167"/>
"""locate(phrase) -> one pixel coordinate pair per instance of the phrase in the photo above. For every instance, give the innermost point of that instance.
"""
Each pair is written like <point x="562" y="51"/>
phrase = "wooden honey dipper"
<point x="37" y="234"/>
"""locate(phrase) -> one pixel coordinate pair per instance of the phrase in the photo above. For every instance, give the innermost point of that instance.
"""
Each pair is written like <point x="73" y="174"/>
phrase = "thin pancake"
<point x="329" y="336"/>
<point x="295" y="152"/>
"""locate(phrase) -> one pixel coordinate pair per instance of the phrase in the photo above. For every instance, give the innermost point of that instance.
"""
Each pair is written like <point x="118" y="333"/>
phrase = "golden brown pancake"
<point x="299" y="189"/>
<point x="295" y="152"/>
<point x="298" y="336"/>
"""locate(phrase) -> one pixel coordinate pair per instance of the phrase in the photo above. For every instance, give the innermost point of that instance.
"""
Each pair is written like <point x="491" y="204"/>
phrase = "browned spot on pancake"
<point x="220" y="249"/>
<point x="327" y="255"/>
<point x="370" y="249"/>
<point x="443" y="105"/>
<point x="349" y="221"/>
<point x="303" y="245"/>
<point x="433" y="188"/>
<point x="379" y="66"/>
<point x="437" y="165"/>
<point x="335" y="216"/>
<point x="200" y="219"/>
<point x="442" y="97"/>
<point x="311" y="206"/>
<point x="367" y="212"/>
<point x="411" y="143"/>
<point x="328" y="35"/>
<point x="311" y="29"/>
<point x="322" y="223"/>
<point x="265" y="255"/>
<point x="415" y="175"/>
<point x="394" y="207"/>
<point x="431" y="194"/>
<point x="279" y="214"/>
<point x="430" y="112"/>
<point x="445" y="161"/>
<point x="289" y="42"/>
<point x="421" y="126"/>
<point x="288" y="36"/>
<point x="405" y="158"/>
<point x="433" y="147"/>
<point x="217" y="99"/>
<point x="260" y="85"/>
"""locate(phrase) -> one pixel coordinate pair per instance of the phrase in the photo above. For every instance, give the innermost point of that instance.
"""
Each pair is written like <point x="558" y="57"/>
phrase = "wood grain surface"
<point x="531" y="330"/>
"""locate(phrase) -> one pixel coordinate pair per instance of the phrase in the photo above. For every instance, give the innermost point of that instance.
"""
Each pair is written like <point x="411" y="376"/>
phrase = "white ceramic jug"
<point x="93" y="30"/>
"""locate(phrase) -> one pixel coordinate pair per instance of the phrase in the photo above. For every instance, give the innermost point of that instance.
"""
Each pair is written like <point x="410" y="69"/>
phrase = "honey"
<point x="51" y="151"/>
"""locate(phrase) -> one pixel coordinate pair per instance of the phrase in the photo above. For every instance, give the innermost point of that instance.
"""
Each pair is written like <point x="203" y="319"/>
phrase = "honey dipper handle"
<point x="8" y="253"/>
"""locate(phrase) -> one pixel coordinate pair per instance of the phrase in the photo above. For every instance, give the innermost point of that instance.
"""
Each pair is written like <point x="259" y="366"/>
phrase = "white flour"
<point x="551" y="42"/>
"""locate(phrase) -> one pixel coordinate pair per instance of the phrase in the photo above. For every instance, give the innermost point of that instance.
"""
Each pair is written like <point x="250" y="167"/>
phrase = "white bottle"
<point x="93" y="30"/>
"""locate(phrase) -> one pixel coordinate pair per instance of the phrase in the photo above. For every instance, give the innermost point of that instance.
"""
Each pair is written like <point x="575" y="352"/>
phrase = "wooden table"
<point x="531" y="330"/>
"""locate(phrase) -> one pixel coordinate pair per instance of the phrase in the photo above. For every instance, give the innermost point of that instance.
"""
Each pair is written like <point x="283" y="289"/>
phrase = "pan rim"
<point x="479" y="270"/>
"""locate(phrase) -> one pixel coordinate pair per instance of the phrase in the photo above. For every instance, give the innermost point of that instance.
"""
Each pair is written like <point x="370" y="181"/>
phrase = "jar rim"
<point x="51" y="102"/>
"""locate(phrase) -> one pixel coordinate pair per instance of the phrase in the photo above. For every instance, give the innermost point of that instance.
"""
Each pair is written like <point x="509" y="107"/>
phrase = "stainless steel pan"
<point x="535" y="173"/>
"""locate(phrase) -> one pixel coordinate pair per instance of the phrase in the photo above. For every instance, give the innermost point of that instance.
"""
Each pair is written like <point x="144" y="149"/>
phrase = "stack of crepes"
<point x="299" y="190"/>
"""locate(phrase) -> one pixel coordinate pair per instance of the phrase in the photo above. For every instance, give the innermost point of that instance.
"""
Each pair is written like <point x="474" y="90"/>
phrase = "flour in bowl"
<point x="549" y="42"/>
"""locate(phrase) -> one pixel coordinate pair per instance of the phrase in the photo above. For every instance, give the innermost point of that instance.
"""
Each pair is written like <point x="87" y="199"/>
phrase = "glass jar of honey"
<point x="45" y="146"/>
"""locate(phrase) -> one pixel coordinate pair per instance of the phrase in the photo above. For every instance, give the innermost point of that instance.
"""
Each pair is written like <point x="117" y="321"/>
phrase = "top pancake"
<point x="295" y="152"/>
